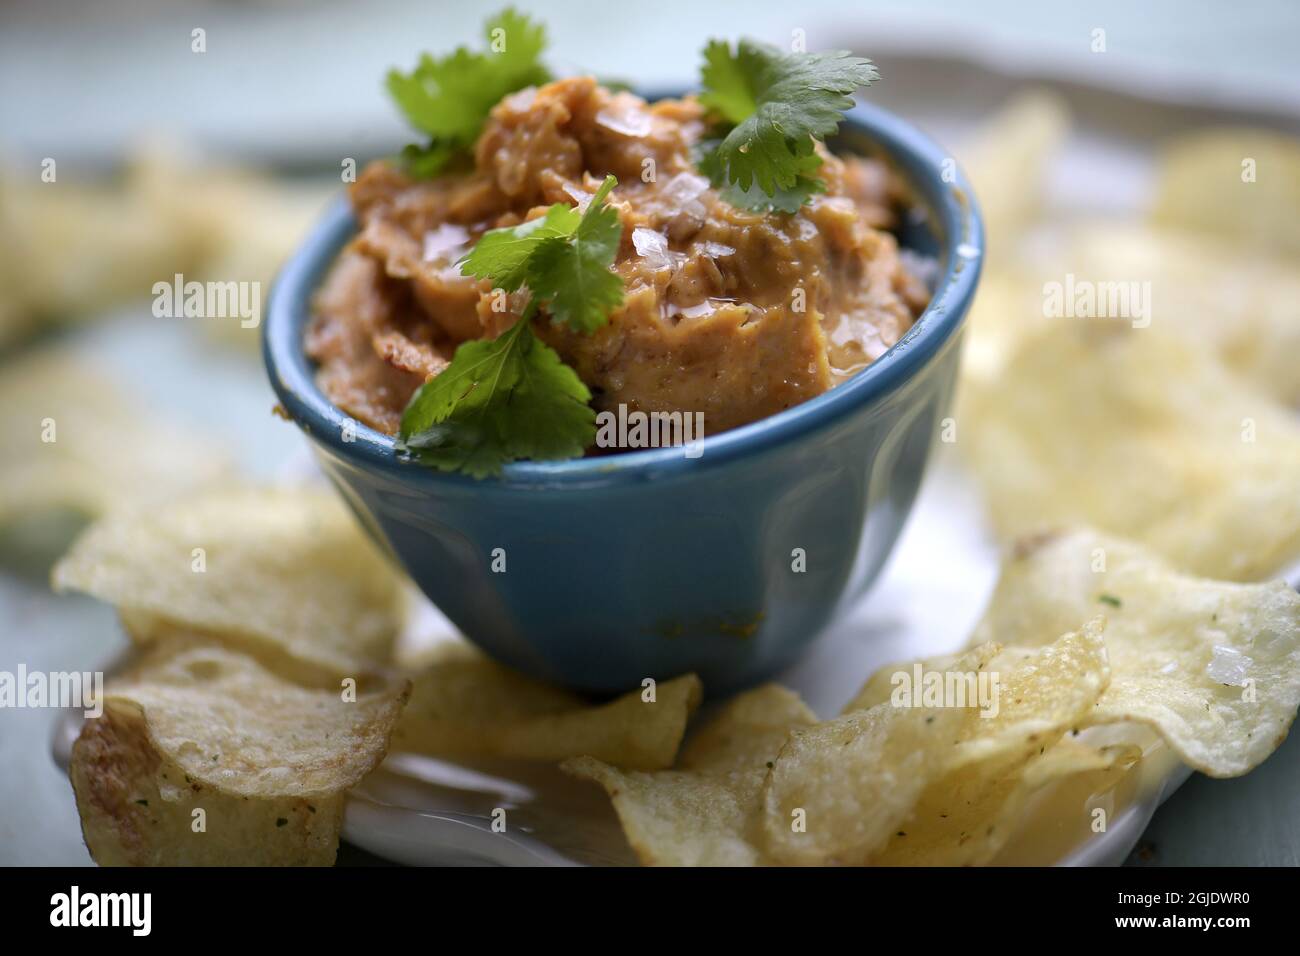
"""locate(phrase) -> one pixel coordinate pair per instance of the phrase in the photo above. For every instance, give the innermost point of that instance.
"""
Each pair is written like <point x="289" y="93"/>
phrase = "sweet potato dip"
<point x="734" y="314"/>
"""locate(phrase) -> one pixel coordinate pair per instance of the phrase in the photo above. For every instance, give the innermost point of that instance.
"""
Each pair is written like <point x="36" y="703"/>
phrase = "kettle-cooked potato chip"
<point x="283" y="572"/>
<point x="708" y="811"/>
<point x="467" y="704"/>
<point x="1143" y="434"/>
<point x="203" y="756"/>
<point x="1214" y="667"/>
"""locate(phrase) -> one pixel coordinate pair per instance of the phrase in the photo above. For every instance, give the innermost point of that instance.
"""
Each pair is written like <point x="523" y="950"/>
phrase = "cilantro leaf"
<point x="725" y="78"/>
<point x="782" y="199"/>
<point x="498" y="401"/>
<point x="513" y="397"/>
<point x="564" y="258"/>
<point x="502" y="255"/>
<point x="753" y="199"/>
<point x="424" y="162"/>
<point x="780" y="105"/>
<point x="449" y="98"/>
<point x="573" y="277"/>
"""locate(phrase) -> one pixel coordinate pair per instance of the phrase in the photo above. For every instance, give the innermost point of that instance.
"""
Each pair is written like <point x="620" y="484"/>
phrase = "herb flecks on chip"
<point x="778" y="106"/>
<point x="449" y="98"/>
<point x="512" y="397"/>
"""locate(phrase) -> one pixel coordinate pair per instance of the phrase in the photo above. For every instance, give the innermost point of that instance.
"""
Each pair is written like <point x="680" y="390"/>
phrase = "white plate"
<point x="426" y="812"/>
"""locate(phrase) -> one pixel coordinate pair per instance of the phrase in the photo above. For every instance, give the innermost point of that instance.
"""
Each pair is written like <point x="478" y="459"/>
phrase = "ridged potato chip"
<point x="466" y="704"/>
<point x="708" y="811"/>
<point x="203" y="756"/>
<point x="283" y="572"/>
<point x="1213" y="666"/>
<point x="1143" y="434"/>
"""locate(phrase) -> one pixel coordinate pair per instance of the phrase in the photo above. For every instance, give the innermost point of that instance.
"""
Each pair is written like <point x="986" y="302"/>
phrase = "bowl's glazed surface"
<point x="600" y="572"/>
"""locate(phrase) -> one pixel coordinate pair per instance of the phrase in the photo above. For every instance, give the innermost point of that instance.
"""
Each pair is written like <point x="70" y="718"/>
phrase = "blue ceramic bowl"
<point x="647" y="563"/>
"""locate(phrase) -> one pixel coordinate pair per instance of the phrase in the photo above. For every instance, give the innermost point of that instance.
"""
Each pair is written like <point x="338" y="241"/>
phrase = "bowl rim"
<point x="929" y="169"/>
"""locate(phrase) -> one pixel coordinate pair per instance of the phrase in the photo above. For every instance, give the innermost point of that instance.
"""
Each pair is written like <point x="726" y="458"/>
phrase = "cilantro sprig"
<point x="449" y="98"/>
<point x="498" y="401"/>
<point x="564" y="257"/>
<point x="773" y="107"/>
<point x="512" y="397"/>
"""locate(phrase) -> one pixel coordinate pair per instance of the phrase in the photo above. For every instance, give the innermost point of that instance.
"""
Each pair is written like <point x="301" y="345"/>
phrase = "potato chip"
<point x="1243" y="184"/>
<point x="283" y="572"/>
<point x="1008" y="307"/>
<point x="242" y="224"/>
<point x="74" y="441"/>
<point x="1007" y="161"/>
<point x="1236" y="300"/>
<point x="466" y="704"/>
<point x="75" y="249"/>
<point x="1038" y="697"/>
<point x="966" y="818"/>
<point x="81" y="248"/>
<point x="965" y="811"/>
<point x="1143" y="434"/>
<point x="841" y="791"/>
<point x="838" y="790"/>
<point x="1037" y="692"/>
<point x="765" y="783"/>
<point x="205" y="757"/>
<point x="880" y="686"/>
<point x="137" y="810"/>
<point x="707" y="812"/>
<point x="1214" y="667"/>
<point x="1240" y="302"/>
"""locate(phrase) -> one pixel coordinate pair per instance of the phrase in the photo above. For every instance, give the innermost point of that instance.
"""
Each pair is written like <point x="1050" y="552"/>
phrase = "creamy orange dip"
<point x="734" y="314"/>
